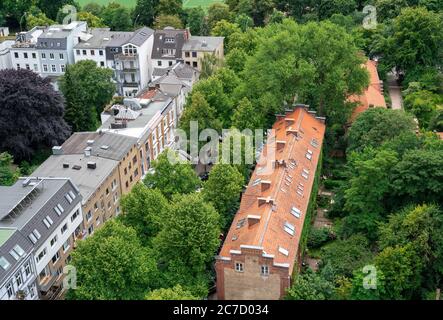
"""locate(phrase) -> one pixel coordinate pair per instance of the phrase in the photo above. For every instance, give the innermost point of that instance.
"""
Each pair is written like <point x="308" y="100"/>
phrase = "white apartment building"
<point x="47" y="213"/>
<point x="23" y="52"/>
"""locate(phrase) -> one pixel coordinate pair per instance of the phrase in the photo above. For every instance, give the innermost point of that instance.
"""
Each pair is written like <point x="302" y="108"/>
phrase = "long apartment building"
<point x="261" y="249"/>
<point x="40" y="220"/>
<point x="103" y="166"/>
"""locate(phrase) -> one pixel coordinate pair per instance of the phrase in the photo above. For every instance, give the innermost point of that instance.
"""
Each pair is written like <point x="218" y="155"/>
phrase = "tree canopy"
<point x="31" y="114"/>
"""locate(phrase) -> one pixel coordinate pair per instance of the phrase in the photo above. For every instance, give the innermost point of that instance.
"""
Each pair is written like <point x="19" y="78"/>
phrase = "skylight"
<point x="283" y="251"/>
<point x="4" y="263"/>
<point x="296" y="212"/>
<point x="289" y="228"/>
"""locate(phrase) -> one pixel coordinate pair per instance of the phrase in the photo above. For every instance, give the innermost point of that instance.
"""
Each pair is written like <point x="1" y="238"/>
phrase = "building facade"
<point x="261" y="250"/>
<point x="195" y="49"/>
<point x="47" y="211"/>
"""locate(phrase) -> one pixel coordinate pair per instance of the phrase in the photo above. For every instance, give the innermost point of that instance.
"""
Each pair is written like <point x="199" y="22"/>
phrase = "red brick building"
<point x="261" y="248"/>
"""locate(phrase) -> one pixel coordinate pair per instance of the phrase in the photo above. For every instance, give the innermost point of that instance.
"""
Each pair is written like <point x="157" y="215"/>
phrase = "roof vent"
<point x="265" y="185"/>
<point x="76" y="167"/>
<point x="204" y="43"/>
<point x="88" y="151"/>
<point x="65" y="165"/>
<point x="92" y="165"/>
<point x="90" y="142"/>
<point x="26" y="182"/>
<point x="267" y="200"/>
<point x="104" y="147"/>
<point x="57" y="150"/>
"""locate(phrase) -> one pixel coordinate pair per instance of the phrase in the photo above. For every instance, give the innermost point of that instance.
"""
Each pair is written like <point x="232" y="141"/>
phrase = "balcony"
<point x="124" y="57"/>
<point x="130" y="84"/>
<point x="46" y="283"/>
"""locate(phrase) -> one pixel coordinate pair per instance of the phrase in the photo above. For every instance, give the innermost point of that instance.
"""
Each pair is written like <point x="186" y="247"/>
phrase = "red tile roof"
<point x="373" y="94"/>
<point x="271" y="194"/>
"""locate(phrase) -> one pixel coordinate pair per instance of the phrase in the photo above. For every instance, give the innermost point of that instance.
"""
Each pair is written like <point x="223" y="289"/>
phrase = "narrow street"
<point x="395" y="92"/>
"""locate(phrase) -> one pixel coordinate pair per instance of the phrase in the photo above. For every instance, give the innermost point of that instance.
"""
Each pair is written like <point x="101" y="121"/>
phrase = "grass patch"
<point x="126" y="3"/>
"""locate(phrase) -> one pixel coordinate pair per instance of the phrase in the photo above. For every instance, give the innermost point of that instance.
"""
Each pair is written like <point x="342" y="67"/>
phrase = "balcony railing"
<point x="130" y="84"/>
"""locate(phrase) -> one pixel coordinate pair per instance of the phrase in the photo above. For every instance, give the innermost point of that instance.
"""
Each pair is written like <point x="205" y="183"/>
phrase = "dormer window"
<point x="169" y="40"/>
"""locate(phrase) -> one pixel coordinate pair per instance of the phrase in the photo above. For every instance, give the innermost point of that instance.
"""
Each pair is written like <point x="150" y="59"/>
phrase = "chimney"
<point x="90" y="142"/>
<point x="289" y="121"/>
<point x="57" y="150"/>
<point x="265" y="185"/>
<point x="253" y="219"/>
<point x="280" y="144"/>
<point x="88" y="151"/>
<point x="65" y="165"/>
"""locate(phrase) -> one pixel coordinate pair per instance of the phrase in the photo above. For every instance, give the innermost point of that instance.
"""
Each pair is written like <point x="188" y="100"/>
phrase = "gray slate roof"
<point x="87" y="180"/>
<point x="118" y="145"/>
<point x="198" y="43"/>
<point x="160" y="44"/>
<point x="50" y="193"/>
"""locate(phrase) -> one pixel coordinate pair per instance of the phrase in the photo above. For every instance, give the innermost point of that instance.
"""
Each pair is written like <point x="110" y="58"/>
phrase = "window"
<point x="170" y="63"/>
<point x="114" y="185"/>
<point x="239" y="267"/>
<point x="265" y="270"/>
<point x="109" y="205"/>
<point x="102" y="64"/>
<point x="41" y="255"/>
<point x="17" y="252"/>
<point x="115" y="197"/>
<point x="53" y="68"/>
<point x="84" y="52"/>
<point x="289" y="228"/>
<point x="27" y="67"/>
<point x="92" y="53"/>
<point x="69" y="198"/>
<point x="59" y="209"/>
<point x="194" y="54"/>
<point x="126" y="171"/>
<point x="61" y="55"/>
<point x="96" y="206"/>
<point x="194" y="64"/>
<point x="4" y="263"/>
<point x="55" y="258"/>
<point x="64" y="228"/>
<point x="283" y="251"/>
<point x="78" y="52"/>
<point x="16" y="54"/>
<point x="25" y="55"/>
<point x="159" y="63"/>
<point x="136" y="172"/>
<point x="28" y="270"/>
<point x="91" y="229"/>
<point x="31" y="291"/>
<point x="18" y="66"/>
<point x="66" y="245"/>
<point x="51" y="56"/>
<point x="43" y="55"/>
<point x="62" y="68"/>
<point x="53" y="241"/>
<point x="117" y="211"/>
<point x="35" y="67"/>
<point x="295" y="212"/>
<point x="88" y="216"/>
<point x="100" y="52"/>
<point x="48" y="221"/>
<point x="9" y="290"/>
<point x="18" y="279"/>
<point x="45" y="68"/>
<point x="34" y="236"/>
<point x="107" y="191"/>
<point x="187" y="54"/>
<point x="127" y="184"/>
<point x="75" y="215"/>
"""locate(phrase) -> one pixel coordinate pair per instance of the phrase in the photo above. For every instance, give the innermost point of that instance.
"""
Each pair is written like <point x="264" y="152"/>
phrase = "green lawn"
<point x="126" y="3"/>
<point x="132" y="3"/>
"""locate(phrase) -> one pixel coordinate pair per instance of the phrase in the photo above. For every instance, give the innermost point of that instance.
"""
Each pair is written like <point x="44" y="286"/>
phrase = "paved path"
<point x="395" y="92"/>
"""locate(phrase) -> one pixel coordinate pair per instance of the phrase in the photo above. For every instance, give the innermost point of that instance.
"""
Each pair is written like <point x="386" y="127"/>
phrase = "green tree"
<point x="198" y="109"/>
<point x="223" y="190"/>
<point x="360" y="292"/>
<point x="92" y="20"/>
<point x="87" y="89"/>
<point x="326" y="8"/>
<point x="175" y="293"/>
<point x="345" y="256"/>
<point x="209" y="64"/>
<point x="310" y="286"/>
<point x="8" y="175"/>
<point x="418" y="176"/>
<point x="188" y="241"/>
<point x="172" y="178"/>
<point x="244" y="22"/>
<point x="377" y="125"/>
<point x="143" y="208"/>
<point x="113" y="265"/>
<point x="225" y="29"/>
<point x="169" y="7"/>
<point x="415" y="39"/>
<point x="35" y="17"/>
<point x="117" y="17"/>
<point x="196" y="21"/>
<point x="246" y="117"/>
<point x="52" y="7"/>
<point x="163" y="21"/>
<point x="144" y="12"/>
<point x="93" y="8"/>
<point x="217" y="12"/>
<point x="423" y="105"/>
